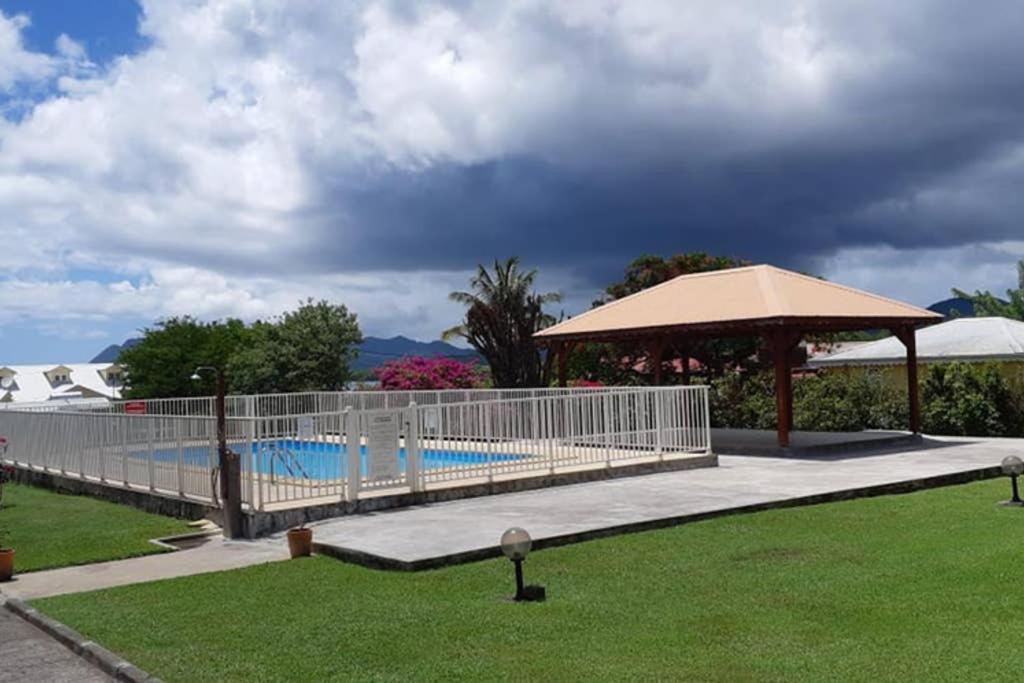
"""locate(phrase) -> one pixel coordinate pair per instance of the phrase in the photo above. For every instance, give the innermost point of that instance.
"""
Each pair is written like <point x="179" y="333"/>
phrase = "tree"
<point x="162" y="363"/>
<point x="616" y="363"/>
<point x="308" y="349"/>
<point x="648" y="270"/>
<point x="987" y="304"/>
<point x="502" y="314"/>
<point x="418" y="373"/>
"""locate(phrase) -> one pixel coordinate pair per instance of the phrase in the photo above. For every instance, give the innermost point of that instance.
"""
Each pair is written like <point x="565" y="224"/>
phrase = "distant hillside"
<point x="373" y="352"/>
<point x="955" y="307"/>
<point x="110" y="354"/>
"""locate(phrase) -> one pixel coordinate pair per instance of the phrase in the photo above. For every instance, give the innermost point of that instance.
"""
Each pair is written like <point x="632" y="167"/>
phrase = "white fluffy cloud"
<point x="18" y="64"/>
<point x="218" y="171"/>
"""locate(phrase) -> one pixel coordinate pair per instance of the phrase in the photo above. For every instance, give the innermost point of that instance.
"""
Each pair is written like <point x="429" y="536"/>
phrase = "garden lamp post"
<point x="227" y="460"/>
<point x="516" y="544"/>
<point x="1013" y="467"/>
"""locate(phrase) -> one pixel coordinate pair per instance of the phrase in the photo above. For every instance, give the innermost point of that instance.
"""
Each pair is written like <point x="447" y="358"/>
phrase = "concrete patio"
<point x="764" y="442"/>
<point x="460" y="531"/>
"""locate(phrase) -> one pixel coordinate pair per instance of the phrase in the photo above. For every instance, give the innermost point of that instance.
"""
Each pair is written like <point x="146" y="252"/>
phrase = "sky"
<point x="233" y="157"/>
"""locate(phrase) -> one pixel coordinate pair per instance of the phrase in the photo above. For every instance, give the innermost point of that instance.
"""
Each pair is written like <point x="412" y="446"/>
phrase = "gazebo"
<point x="779" y="305"/>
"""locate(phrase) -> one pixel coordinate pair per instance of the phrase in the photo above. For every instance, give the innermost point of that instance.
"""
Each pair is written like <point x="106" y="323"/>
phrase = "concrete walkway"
<point x="28" y="654"/>
<point x="465" y="530"/>
<point x="216" y="555"/>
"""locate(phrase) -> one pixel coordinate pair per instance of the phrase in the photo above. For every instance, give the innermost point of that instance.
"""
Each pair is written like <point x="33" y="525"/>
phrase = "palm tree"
<point x="502" y="313"/>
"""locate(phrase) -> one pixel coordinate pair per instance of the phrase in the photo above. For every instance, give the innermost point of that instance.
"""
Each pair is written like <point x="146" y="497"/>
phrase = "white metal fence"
<point x="304" y="403"/>
<point x="173" y="455"/>
<point x="306" y="448"/>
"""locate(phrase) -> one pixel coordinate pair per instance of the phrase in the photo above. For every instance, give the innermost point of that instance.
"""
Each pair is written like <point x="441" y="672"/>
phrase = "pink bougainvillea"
<point x="417" y="372"/>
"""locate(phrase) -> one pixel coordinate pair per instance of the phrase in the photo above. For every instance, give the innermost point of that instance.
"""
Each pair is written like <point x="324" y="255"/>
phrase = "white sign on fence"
<point x="382" y="446"/>
<point x="306" y="427"/>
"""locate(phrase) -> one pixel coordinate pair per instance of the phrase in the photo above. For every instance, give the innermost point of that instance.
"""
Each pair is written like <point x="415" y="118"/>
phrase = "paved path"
<point x="28" y="654"/>
<point x="469" y="529"/>
<point x="216" y="555"/>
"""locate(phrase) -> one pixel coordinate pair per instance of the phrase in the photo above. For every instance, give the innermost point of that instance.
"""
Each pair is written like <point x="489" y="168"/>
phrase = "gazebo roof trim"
<point x="747" y="295"/>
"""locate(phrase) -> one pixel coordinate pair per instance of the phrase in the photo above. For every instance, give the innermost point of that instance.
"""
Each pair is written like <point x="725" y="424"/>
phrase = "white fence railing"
<point x="338" y="446"/>
<point x="475" y="441"/>
<point x="305" y="403"/>
<point x="173" y="455"/>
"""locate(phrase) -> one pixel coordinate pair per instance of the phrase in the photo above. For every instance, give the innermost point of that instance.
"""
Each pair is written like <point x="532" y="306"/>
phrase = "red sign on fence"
<point x="135" y="407"/>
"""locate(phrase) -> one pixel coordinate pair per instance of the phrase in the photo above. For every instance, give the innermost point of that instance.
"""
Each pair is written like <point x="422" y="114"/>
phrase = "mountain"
<point x="373" y="352"/>
<point x="110" y="354"/>
<point x="957" y="307"/>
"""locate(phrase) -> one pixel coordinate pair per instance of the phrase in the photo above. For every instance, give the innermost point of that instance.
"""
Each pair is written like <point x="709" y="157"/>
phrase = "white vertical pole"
<point x="124" y="452"/>
<point x="486" y="412"/>
<point x="412" y="448"/>
<point x="607" y="440"/>
<point x="151" y="467"/>
<point x="659" y="436"/>
<point x="102" y="450"/>
<point x="352" y="448"/>
<point x="88" y="444"/>
<point x="181" y="457"/>
<point x="707" y="421"/>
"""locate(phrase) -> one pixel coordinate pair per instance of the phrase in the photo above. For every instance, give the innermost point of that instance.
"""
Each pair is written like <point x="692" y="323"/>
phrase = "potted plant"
<point x="300" y="541"/>
<point x="6" y="563"/>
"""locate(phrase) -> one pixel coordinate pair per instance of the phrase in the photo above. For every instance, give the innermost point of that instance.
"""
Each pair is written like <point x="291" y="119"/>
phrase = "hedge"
<point x="961" y="399"/>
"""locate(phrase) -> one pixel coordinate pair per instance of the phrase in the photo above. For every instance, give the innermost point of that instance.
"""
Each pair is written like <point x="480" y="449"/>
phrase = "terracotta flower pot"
<point x="300" y="542"/>
<point x="6" y="564"/>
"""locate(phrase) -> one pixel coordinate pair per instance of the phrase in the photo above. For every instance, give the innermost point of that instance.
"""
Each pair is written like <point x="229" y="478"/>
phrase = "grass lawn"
<point x="50" y="529"/>
<point x="901" y="588"/>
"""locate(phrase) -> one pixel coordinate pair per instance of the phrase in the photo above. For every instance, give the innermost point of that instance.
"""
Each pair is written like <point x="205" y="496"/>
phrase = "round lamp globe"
<point x="1012" y="465"/>
<point x="515" y="543"/>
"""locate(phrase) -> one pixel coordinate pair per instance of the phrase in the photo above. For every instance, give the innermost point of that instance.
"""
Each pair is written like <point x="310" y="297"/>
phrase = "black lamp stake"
<point x="520" y="589"/>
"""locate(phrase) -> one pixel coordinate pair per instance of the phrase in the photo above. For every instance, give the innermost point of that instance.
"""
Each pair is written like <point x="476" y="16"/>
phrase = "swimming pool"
<point x="319" y="460"/>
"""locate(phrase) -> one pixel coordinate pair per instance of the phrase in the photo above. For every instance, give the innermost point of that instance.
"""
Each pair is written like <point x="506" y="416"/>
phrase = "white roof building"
<point x="25" y="384"/>
<point x="960" y="339"/>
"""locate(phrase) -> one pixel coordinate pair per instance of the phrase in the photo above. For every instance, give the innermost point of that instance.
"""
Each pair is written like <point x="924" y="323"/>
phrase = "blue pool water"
<point x="316" y="460"/>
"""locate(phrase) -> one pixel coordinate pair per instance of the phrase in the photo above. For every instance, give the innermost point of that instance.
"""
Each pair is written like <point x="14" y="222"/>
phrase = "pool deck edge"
<point x="381" y="562"/>
<point x="261" y="523"/>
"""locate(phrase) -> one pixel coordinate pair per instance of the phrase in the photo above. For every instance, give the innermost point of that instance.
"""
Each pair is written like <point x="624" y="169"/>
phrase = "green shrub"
<point x="743" y="401"/>
<point x="958" y="399"/>
<point x="847" y="402"/>
<point x="968" y="399"/>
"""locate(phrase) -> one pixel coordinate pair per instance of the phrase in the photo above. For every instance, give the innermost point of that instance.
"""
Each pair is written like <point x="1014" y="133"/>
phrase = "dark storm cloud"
<point x="920" y="149"/>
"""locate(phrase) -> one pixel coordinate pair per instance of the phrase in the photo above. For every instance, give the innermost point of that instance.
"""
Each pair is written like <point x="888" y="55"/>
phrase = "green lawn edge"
<point x="49" y="530"/>
<point x="919" y="586"/>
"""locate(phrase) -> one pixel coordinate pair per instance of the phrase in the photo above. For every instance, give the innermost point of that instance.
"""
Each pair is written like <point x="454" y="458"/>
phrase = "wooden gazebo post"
<point x="781" y="343"/>
<point x="908" y="335"/>
<point x="656" y="354"/>
<point x="562" y="349"/>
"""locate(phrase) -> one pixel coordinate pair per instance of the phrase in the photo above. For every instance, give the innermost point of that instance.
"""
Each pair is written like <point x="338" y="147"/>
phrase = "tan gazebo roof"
<point x="739" y="301"/>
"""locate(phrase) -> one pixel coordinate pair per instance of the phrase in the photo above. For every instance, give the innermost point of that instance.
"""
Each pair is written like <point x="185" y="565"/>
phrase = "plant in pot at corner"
<point x="6" y="562"/>
<point x="6" y="554"/>
<point x="300" y="541"/>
